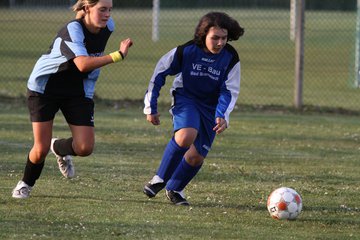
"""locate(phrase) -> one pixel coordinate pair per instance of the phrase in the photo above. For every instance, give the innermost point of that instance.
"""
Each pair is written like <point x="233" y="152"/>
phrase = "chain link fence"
<point x="267" y="52"/>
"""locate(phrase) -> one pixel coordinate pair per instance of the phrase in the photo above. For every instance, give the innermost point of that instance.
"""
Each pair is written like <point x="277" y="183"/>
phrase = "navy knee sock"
<point x="182" y="176"/>
<point x="173" y="154"/>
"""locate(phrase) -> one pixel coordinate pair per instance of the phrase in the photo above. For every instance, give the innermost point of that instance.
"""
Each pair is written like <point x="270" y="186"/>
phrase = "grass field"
<point x="267" y="54"/>
<point x="316" y="154"/>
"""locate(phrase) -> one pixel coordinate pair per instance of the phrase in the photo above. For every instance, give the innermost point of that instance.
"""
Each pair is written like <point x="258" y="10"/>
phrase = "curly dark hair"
<point x="217" y="19"/>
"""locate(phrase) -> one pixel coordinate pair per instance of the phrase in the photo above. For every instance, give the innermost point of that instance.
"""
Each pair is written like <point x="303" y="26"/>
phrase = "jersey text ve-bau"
<point x="210" y="80"/>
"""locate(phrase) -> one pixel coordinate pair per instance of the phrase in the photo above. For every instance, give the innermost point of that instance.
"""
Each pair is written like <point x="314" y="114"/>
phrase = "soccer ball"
<point x="284" y="203"/>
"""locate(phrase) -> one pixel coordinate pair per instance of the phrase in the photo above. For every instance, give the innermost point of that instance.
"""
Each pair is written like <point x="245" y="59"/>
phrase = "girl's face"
<point x="97" y="16"/>
<point x="216" y="39"/>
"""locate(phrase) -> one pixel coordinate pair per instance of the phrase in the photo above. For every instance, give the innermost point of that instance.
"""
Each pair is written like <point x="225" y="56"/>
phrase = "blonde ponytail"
<point x="80" y="4"/>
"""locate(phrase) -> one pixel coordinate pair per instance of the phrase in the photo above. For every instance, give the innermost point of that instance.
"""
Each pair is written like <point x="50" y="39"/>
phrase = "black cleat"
<point x="177" y="198"/>
<point x="151" y="190"/>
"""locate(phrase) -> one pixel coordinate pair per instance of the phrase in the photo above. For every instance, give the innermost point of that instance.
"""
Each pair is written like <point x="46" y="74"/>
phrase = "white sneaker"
<point x="65" y="163"/>
<point x="22" y="190"/>
<point x="155" y="185"/>
<point x="156" y="179"/>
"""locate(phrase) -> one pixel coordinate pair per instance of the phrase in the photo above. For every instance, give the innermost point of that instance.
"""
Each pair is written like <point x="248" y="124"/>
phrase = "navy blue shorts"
<point x="77" y="111"/>
<point x="187" y="114"/>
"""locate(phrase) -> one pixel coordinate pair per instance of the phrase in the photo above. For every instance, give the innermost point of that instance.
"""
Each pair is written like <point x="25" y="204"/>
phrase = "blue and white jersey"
<point x="210" y="80"/>
<point x="55" y="73"/>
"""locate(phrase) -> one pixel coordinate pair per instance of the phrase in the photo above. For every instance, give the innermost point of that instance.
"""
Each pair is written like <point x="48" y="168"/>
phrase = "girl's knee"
<point x="184" y="142"/>
<point x="193" y="157"/>
<point x="39" y="153"/>
<point x="185" y="137"/>
<point x="84" y="150"/>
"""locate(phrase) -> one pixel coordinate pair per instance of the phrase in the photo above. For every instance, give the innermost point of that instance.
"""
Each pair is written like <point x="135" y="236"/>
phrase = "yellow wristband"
<point x="116" y="56"/>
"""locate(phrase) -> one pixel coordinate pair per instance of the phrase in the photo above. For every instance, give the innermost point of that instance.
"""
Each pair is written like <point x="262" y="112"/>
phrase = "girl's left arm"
<point x="89" y="63"/>
<point x="229" y="93"/>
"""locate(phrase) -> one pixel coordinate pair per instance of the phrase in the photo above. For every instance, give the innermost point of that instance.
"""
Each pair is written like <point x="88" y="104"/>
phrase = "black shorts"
<point x="76" y="110"/>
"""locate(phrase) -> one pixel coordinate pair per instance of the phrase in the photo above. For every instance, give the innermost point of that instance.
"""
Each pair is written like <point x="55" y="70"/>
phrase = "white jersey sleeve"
<point x="167" y="65"/>
<point x="229" y="93"/>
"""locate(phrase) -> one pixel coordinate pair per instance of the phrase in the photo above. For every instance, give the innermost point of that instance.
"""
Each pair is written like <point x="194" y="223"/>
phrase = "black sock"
<point x="64" y="147"/>
<point x="32" y="172"/>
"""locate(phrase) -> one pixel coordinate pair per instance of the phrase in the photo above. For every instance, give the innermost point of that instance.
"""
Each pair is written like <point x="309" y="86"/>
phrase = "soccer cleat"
<point x="22" y="190"/>
<point x="66" y="166"/>
<point x="155" y="185"/>
<point x="177" y="198"/>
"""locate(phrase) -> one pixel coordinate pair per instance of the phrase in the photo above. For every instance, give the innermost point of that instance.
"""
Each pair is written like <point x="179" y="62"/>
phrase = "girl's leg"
<point x="80" y="144"/>
<point x="172" y="156"/>
<point x="175" y="151"/>
<point x="35" y="162"/>
<point x="83" y="139"/>
<point x="186" y="170"/>
<point x="184" y="173"/>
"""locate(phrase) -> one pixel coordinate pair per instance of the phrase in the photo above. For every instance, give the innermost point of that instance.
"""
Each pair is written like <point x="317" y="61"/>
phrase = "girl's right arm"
<point x="89" y="63"/>
<point x="164" y="67"/>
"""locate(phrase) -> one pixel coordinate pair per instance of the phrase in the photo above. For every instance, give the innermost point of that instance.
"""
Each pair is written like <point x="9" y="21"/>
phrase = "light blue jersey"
<point x="55" y="73"/>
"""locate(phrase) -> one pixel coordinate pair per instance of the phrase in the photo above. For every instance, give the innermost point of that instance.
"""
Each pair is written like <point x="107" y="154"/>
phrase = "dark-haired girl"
<point x="204" y="92"/>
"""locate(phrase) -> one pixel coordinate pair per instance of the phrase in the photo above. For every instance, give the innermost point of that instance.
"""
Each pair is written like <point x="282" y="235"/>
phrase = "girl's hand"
<point x="125" y="45"/>
<point x="153" y="118"/>
<point x="220" y="126"/>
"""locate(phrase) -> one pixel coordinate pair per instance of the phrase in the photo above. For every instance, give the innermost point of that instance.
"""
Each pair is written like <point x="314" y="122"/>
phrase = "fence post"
<point x="11" y="3"/>
<point x="155" y="20"/>
<point x="357" y="47"/>
<point x="292" y="19"/>
<point x="299" y="52"/>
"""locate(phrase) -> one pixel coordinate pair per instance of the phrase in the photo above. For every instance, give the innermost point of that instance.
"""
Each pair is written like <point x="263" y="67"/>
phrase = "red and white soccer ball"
<point x="284" y="203"/>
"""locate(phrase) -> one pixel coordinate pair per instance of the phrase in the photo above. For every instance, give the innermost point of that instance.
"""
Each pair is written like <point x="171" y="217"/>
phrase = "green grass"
<point x="267" y="54"/>
<point x="316" y="154"/>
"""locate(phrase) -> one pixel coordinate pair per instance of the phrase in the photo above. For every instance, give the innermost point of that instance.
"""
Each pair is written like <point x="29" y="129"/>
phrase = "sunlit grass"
<point x="315" y="154"/>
